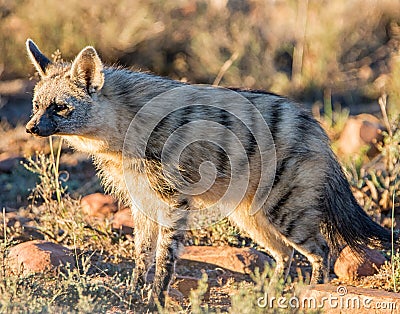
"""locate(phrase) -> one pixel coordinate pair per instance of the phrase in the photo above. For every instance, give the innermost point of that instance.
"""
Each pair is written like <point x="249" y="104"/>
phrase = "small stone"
<point x="358" y="132"/>
<point x="349" y="266"/>
<point x="241" y="260"/>
<point x="98" y="205"/>
<point x="185" y="284"/>
<point x="37" y="257"/>
<point x="123" y="221"/>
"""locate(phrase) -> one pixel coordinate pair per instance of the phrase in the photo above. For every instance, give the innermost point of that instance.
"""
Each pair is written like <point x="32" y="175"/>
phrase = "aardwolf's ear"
<point x="38" y="59"/>
<point x="87" y="69"/>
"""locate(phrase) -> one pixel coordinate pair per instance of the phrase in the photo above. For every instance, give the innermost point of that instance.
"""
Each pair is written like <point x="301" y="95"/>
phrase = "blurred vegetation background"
<point x="328" y="54"/>
<point x="311" y="50"/>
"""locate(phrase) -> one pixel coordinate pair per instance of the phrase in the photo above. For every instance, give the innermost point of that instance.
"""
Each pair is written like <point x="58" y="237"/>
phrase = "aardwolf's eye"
<point x="62" y="109"/>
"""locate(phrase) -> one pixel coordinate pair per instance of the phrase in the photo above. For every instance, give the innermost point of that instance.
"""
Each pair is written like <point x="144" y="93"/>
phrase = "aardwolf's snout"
<point x="43" y="127"/>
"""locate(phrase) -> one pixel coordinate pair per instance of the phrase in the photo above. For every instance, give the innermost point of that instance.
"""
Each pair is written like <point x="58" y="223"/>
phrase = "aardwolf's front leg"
<point x="145" y="238"/>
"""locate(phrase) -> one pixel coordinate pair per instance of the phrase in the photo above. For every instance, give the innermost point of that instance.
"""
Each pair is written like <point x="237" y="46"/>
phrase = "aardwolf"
<point x="306" y="202"/>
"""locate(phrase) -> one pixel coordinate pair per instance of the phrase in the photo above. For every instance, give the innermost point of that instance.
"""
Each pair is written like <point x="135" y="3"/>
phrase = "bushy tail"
<point x="345" y="221"/>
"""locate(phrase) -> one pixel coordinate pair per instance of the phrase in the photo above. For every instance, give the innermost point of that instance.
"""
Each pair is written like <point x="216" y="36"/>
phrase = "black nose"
<point x="32" y="130"/>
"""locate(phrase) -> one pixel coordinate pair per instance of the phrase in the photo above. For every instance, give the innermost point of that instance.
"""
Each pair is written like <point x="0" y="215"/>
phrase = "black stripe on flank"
<point x="186" y="114"/>
<point x="251" y="145"/>
<point x="280" y="169"/>
<point x="306" y="124"/>
<point x="165" y="128"/>
<point x="274" y="120"/>
<point x="224" y="118"/>
<point x="156" y="139"/>
<point x="307" y="117"/>
<point x="222" y="160"/>
<point x="282" y="220"/>
<point x="289" y="229"/>
<point x="273" y="212"/>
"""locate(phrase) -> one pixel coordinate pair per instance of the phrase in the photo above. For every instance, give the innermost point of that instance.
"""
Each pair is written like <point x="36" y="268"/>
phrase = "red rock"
<point x="241" y="260"/>
<point x="359" y="131"/>
<point x="98" y="205"/>
<point x="348" y="266"/>
<point x="38" y="256"/>
<point x="123" y="220"/>
<point x="185" y="284"/>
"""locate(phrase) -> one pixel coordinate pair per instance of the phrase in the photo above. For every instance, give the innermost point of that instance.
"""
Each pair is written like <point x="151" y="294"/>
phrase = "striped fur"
<point x="309" y="208"/>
